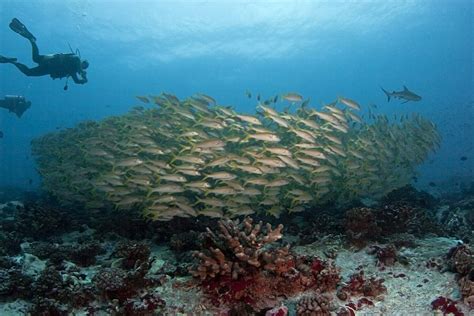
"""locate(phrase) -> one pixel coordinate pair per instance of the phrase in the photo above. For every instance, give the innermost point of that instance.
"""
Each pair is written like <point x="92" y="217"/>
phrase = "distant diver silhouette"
<point x="16" y="104"/>
<point x="56" y="65"/>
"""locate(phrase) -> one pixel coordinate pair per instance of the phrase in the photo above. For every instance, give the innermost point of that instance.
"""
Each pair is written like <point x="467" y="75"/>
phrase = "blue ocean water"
<point x="320" y="49"/>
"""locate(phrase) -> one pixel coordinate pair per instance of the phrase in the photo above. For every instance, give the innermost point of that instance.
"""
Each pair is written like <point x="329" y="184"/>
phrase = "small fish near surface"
<point x="405" y="94"/>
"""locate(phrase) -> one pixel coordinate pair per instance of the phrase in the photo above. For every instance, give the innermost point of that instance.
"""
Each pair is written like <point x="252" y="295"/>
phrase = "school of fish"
<point x="194" y="157"/>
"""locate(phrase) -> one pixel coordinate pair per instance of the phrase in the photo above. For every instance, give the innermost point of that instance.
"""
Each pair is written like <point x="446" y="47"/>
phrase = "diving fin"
<point x="4" y="60"/>
<point x="21" y="29"/>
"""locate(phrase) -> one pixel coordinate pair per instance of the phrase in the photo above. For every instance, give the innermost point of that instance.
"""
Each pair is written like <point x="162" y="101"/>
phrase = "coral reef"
<point x="132" y="253"/>
<point x="402" y="217"/>
<point x="238" y="265"/>
<point x="314" y="305"/>
<point x="400" y="240"/>
<point x="116" y="283"/>
<point x="112" y="283"/>
<point x="364" y="225"/>
<point x="446" y="306"/>
<point x="243" y="244"/>
<point x="466" y="288"/>
<point x="14" y="284"/>
<point x="359" y="285"/>
<point x="409" y="195"/>
<point x="83" y="254"/>
<point x="55" y="295"/>
<point x="9" y="243"/>
<point x="234" y="267"/>
<point x="361" y="226"/>
<point x="457" y="218"/>
<point x="314" y="224"/>
<point x="40" y="221"/>
<point x="184" y="241"/>
<point x="461" y="260"/>
<point x="386" y="256"/>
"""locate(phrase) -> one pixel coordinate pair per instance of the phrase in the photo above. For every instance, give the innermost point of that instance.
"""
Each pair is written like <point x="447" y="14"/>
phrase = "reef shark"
<point x="405" y="94"/>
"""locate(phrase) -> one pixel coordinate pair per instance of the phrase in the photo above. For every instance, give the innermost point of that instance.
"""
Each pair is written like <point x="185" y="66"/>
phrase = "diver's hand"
<point x="84" y="76"/>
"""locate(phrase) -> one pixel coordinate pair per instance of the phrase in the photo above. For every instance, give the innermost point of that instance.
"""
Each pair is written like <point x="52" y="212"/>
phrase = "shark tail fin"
<point x="387" y="93"/>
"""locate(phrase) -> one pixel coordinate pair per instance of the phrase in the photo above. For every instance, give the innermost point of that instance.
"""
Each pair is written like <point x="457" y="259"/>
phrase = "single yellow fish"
<point x="292" y="97"/>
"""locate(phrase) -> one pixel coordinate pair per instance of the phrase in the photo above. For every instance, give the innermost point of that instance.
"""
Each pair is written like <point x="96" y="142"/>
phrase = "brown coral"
<point x="461" y="259"/>
<point x="361" y="226"/>
<point x="386" y="256"/>
<point x="466" y="287"/>
<point x="240" y="265"/>
<point x="375" y="224"/>
<point x="314" y="305"/>
<point x="133" y="253"/>
<point x="359" y="285"/>
<point x="240" y="247"/>
<point x="403" y="217"/>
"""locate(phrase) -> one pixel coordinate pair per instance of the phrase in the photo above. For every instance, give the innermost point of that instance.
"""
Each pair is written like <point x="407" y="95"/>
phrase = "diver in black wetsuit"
<point x="56" y="65"/>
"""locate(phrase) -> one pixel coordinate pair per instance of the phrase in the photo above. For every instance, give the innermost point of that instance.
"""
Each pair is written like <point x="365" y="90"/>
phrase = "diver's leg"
<point x="37" y="58"/>
<point x="30" y="72"/>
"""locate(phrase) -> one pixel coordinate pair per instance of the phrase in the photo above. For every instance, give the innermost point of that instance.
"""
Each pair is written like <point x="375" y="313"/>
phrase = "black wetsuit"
<point x="57" y="65"/>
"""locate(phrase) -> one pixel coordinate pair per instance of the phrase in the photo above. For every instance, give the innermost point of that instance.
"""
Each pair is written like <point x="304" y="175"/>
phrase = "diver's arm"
<point x="80" y="81"/>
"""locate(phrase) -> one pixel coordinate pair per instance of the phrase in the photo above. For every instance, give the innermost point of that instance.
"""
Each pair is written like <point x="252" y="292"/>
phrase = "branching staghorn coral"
<point x="240" y="247"/>
<point x="242" y="263"/>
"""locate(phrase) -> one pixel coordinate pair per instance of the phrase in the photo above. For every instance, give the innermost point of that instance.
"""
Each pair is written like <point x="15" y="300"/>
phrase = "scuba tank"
<point x="77" y="53"/>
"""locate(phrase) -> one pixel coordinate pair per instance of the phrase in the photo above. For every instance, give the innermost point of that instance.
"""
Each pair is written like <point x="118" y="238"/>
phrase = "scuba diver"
<point x="55" y="65"/>
<point x="16" y="104"/>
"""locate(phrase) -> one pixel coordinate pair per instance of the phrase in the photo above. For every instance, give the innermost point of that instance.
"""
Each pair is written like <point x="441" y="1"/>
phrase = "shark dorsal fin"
<point x="405" y="88"/>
